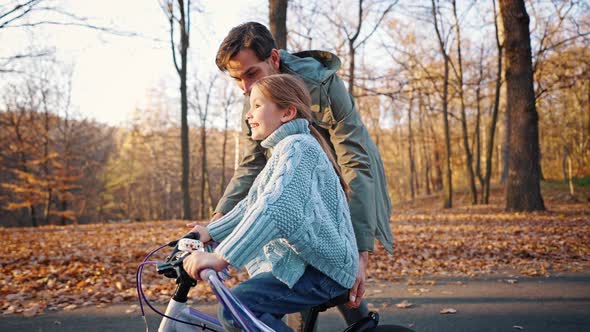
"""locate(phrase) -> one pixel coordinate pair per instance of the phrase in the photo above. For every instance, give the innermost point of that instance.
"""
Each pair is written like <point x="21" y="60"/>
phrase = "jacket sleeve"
<point x="276" y="213"/>
<point x="348" y="136"/>
<point x="251" y="163"/>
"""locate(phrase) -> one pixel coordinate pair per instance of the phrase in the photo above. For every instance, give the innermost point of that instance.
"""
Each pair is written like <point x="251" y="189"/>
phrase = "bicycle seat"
<point x="338" y="300"/>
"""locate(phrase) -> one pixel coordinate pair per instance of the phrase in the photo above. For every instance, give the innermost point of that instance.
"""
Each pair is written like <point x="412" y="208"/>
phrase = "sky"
<point x="113" y="75"/>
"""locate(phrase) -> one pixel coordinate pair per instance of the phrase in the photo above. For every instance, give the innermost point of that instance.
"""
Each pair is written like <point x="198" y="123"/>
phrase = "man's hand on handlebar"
<point x="202" y="229"/>
<point x="215" y="217"/>
<point x="203" y="232"/>
<point x="199" y="260"/>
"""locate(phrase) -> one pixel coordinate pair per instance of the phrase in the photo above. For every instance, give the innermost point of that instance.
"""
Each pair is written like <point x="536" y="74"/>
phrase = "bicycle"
<point x="180" y="317"/>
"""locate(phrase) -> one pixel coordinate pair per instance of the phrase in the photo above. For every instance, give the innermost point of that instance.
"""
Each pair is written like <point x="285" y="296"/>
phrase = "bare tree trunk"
<point x="353" y="38"/>
<point x="478" y="143"/>
<point x="411" y="148"/>
<point x="46" y="157"/>
<point x="184" y="27"/>
<point x="203" y="113"/>
<point x="523" y="190"/>
<point x="186" y="198"/>
<point x="437" y="180"/>
<point x="494" y="120"/>
<point x="352" y="51"/>
<point x="448" y="184"/>
<point x="223" y="154"/>
<point x="23" y="160"/>
<point x="277" y="12"/>
<point x="210" y="204"/>
<point x="468" y="154"/>
<point x="566" y="165"/>
<point x="425" y="155"/>
<point x="203" y="169"/>
<point x="570" y="175"/>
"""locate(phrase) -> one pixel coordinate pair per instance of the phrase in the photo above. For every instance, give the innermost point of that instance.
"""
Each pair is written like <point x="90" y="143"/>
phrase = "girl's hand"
<point x="199" y="260"/>
<point x="203" y="232"/>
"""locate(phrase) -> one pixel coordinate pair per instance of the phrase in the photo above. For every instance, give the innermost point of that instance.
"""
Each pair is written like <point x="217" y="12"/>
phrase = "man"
<point x="249" y="53"/>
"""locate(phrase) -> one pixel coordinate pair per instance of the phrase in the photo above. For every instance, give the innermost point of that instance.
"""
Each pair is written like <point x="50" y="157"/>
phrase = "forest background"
<point x="59" y="166"/>
<point x="85" y="196"/>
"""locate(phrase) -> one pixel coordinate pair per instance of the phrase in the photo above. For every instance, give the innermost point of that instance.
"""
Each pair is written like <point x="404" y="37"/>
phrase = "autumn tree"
<point x="493" y="122"/>
<point x="461" y="88"/>
<point x="352" y="32"/>
<point x="229" y="98"/>
<point x="523" y="190"/>
<point x="47" y="150"/>
<point x="277" y="12"/>
<point x="203" y="93"/>
<point x="442" y="43"/>
<point x="179" y="15"/>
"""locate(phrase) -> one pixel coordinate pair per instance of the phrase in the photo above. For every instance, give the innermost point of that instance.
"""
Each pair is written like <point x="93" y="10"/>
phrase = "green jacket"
<point x="335" y="116"/>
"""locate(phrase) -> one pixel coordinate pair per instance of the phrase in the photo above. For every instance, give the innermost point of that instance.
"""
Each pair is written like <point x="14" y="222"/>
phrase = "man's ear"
<point x="275" y="59"/>
<point x="289" y="114"/>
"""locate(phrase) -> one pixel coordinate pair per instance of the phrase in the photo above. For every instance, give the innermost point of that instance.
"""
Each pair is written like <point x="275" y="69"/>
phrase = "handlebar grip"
<point x="204" y="274"/>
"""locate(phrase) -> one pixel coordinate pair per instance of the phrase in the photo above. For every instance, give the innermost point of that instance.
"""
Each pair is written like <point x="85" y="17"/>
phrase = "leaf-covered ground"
<point x="54" y="268"/>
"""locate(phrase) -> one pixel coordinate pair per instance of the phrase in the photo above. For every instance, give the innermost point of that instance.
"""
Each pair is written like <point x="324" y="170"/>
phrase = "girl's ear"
<point x="289" y="114"/>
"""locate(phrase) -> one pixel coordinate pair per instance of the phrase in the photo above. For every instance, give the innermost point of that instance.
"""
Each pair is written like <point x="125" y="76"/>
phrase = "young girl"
<point x="292" y="231"/>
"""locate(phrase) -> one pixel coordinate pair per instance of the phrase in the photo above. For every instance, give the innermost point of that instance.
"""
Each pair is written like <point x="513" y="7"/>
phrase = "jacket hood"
<point x="311" y="65"/>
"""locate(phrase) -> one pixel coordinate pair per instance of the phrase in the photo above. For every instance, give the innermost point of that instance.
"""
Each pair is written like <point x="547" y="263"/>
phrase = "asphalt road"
<point x="499" y="303"/>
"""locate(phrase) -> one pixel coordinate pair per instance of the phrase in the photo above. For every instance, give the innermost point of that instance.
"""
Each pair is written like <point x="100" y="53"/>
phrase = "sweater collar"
<point x="296" y="126"/>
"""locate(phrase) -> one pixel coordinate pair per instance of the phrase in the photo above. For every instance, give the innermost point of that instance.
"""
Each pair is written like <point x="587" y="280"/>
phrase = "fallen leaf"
<point x="404" y="304"/>
<point x="70" y="307"/>
<point x="448" y="311"/>
<point x="31" y="312"/>
<point x="10" y="310"/>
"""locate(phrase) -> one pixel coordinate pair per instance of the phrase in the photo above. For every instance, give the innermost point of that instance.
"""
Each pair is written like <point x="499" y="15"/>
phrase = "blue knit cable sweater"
<point x="295" y="214"/>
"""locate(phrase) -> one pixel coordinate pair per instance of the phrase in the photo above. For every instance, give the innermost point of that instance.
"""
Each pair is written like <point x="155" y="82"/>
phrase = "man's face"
<point x="245" y="68"/>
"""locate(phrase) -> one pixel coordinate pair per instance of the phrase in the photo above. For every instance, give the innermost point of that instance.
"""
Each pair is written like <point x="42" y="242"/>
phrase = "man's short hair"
<point x="252" y="35"/>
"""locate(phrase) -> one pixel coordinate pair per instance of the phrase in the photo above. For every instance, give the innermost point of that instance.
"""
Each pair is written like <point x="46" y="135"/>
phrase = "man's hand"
<point x="199" y="260"/>
<point x="215" y="217"/>
<point x="201" y="228"/>
<point x="203" y="233"/>
<point x="358" y="289"/>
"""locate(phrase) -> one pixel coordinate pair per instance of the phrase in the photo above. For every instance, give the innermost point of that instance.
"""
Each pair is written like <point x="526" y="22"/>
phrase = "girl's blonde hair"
<point x="287" y="90"/>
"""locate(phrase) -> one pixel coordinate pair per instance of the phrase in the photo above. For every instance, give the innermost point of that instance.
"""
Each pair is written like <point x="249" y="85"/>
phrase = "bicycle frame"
<point x="180" y="317"/>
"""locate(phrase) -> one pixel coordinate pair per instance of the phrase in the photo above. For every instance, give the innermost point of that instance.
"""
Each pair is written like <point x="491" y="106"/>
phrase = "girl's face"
<point x="264" y="115"/>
